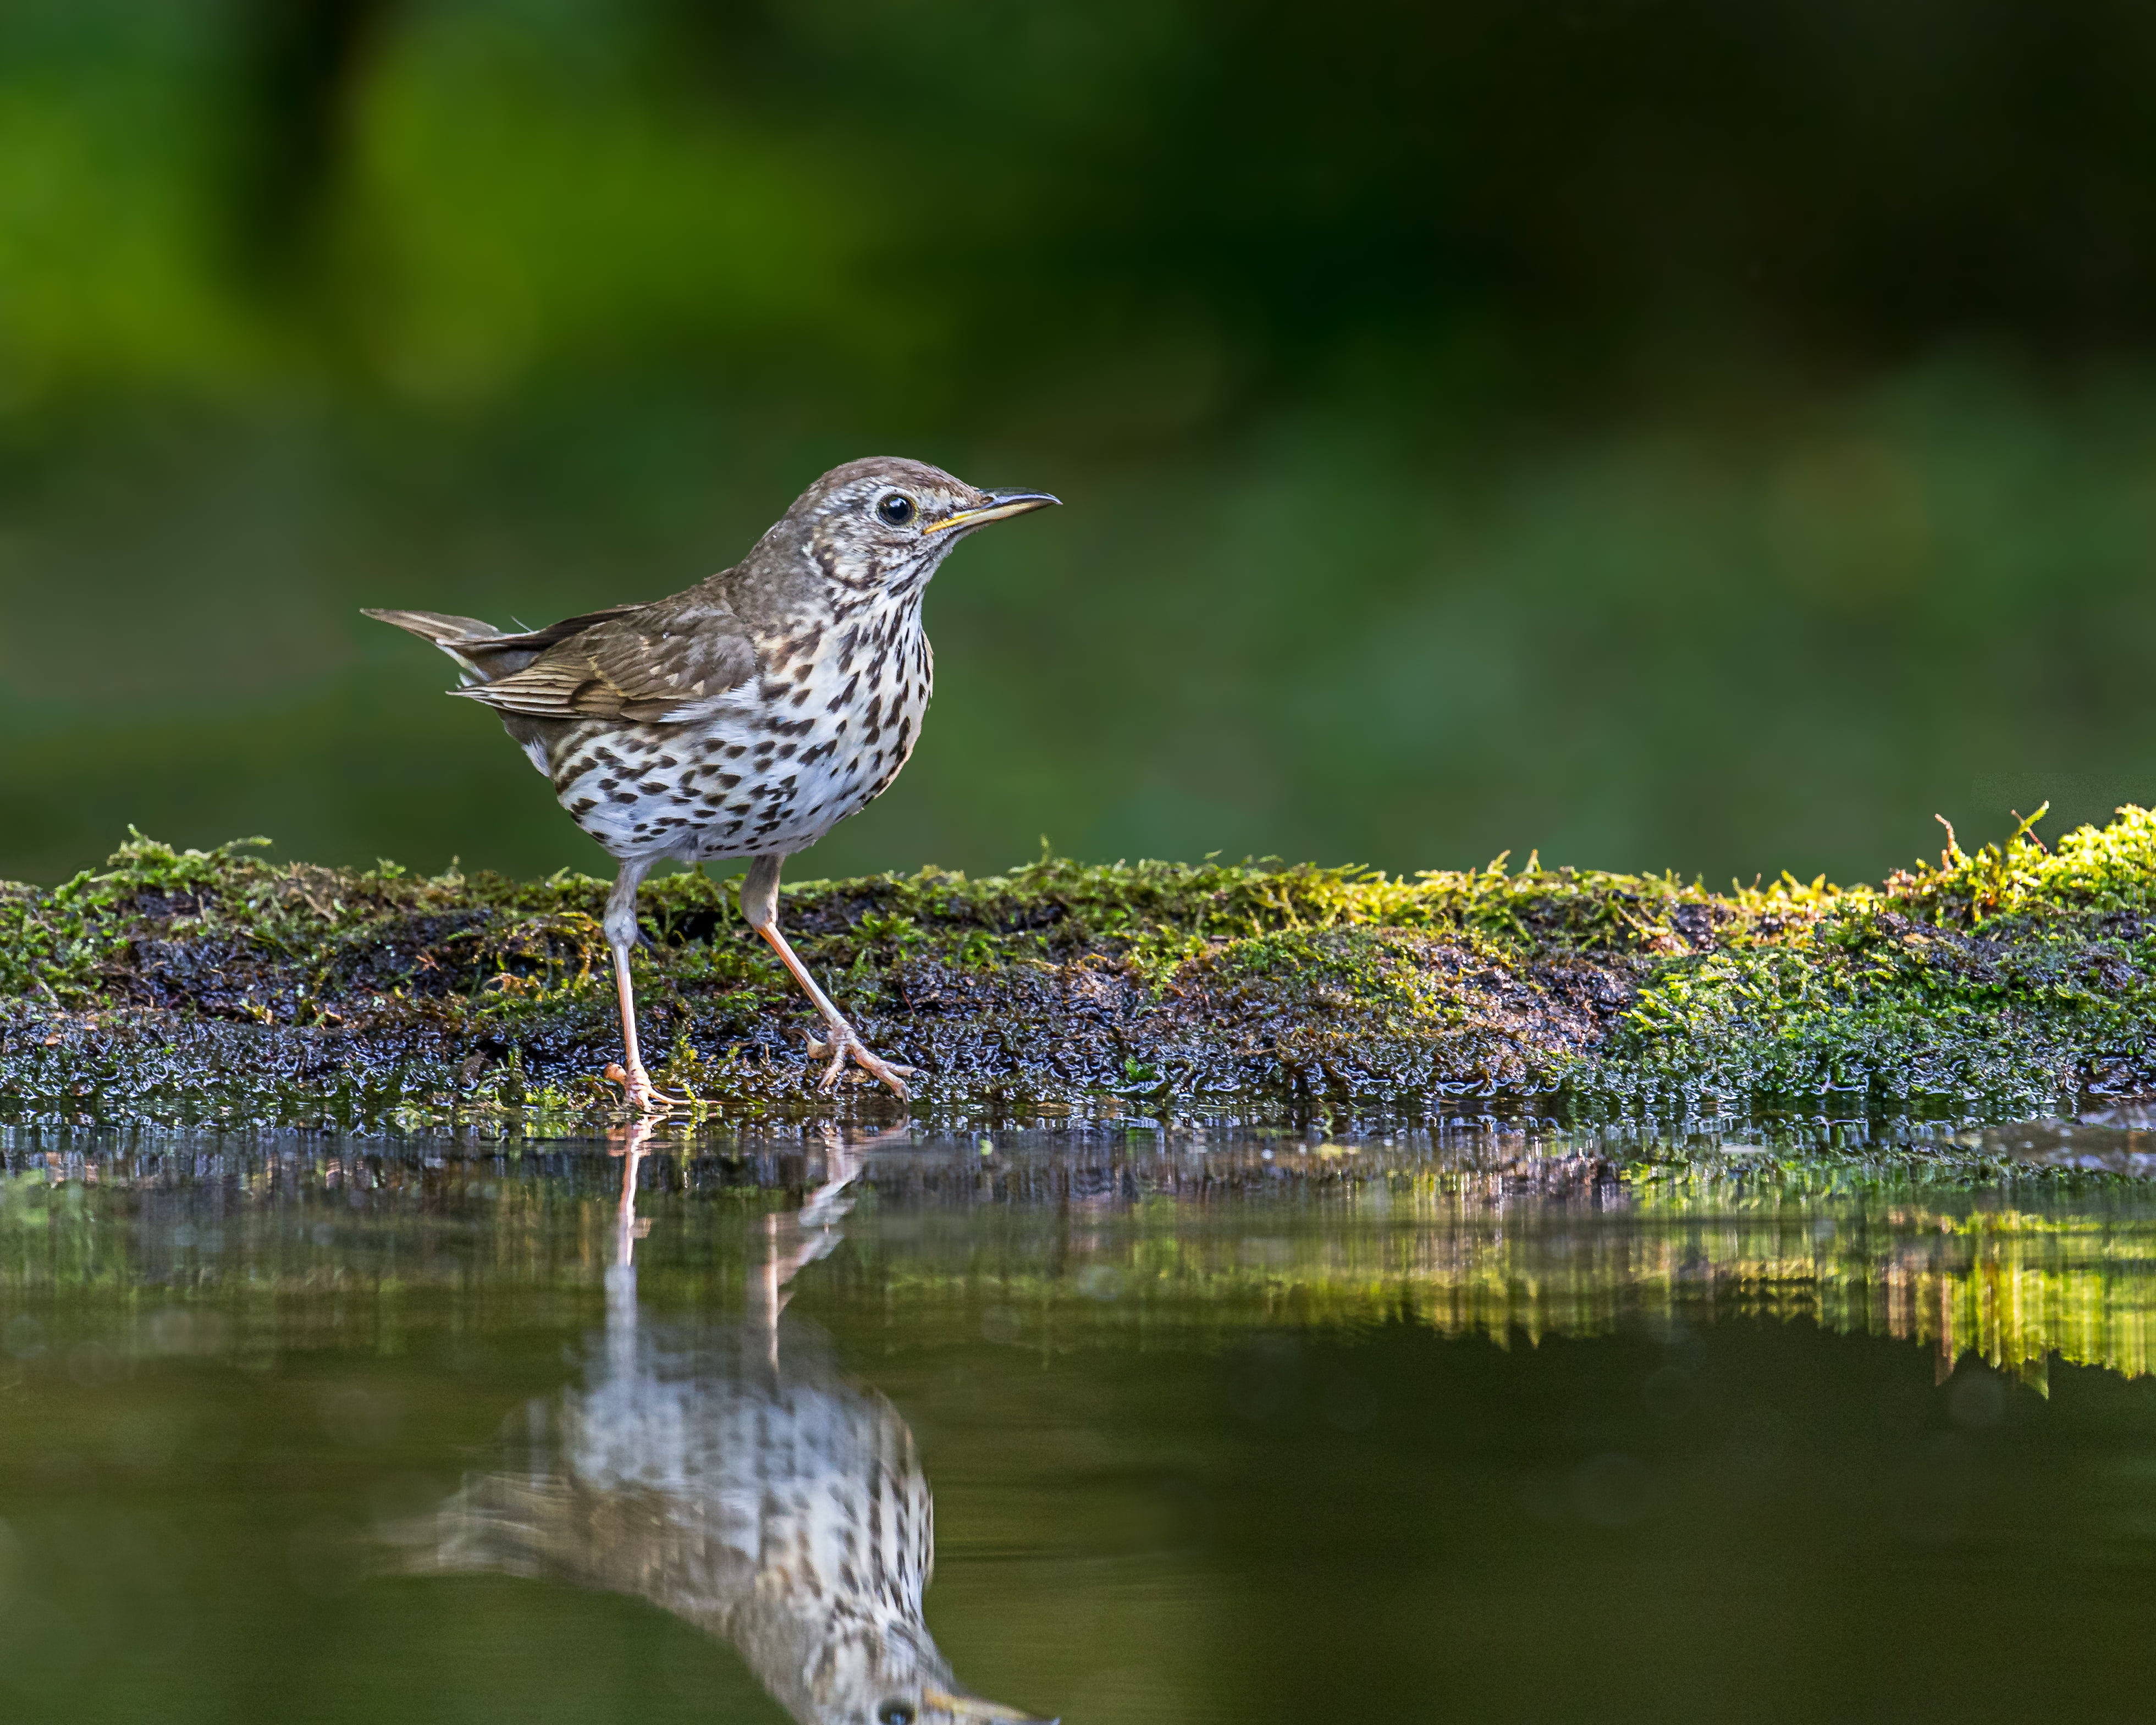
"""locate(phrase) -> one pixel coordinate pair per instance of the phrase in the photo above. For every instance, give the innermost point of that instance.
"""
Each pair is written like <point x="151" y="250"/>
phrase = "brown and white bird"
<point x="744" y="717"/>
<point x="735" y="1477"/>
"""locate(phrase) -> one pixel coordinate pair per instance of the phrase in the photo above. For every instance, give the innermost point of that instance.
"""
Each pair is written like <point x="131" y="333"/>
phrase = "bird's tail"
<point x="454" y="635"/>
<point x="550" y="1527"/>
<point x="500" y="1522"/>
<point x="481" y="650"/>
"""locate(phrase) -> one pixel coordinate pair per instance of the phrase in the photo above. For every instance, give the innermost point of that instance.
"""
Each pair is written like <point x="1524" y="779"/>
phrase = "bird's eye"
<point x="896" y="508"/>
<point x="896" y="1712"/>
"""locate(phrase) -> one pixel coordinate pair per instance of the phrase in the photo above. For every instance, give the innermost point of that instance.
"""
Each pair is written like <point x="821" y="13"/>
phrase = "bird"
<point x="732" y="1476"/>
<point x="743" y="717"/>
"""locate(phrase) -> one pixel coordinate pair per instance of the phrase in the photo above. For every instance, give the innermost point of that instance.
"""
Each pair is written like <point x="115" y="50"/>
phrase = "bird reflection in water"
<point x="736" y="1478"/>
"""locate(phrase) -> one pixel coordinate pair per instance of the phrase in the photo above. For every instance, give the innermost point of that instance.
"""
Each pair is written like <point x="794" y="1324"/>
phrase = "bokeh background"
<point x="1715" y="435"/>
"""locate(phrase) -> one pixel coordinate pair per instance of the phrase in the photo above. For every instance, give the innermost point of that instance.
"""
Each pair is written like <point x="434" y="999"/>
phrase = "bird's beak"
<point x="971" y="1707"/>
<point x="1000" y="506"/>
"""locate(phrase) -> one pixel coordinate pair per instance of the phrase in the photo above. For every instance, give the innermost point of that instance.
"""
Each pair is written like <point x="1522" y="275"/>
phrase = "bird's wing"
<point x="538" y="639"/>
<point x="483" y="651"/>
<point x="656" y="664"/>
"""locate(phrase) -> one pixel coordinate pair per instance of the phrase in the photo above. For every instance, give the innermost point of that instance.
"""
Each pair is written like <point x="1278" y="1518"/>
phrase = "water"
<point x="1226" y="1427"/>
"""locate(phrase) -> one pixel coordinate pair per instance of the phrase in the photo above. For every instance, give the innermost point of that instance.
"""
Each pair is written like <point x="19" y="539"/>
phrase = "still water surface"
<point x="1219" y="1427"/>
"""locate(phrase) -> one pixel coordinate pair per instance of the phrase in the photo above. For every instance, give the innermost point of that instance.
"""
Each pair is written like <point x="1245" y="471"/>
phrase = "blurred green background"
<point x="1707" y="434"/>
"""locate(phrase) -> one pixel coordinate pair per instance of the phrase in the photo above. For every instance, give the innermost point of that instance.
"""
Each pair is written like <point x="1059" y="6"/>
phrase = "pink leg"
<point x="629" y="1073"/>
<point x="620" y="926"/>
<point x="759" y="895"/>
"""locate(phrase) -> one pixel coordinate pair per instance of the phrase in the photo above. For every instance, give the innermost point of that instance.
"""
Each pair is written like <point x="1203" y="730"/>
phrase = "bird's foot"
<point x="632" y="1139"/>
<point x="843" y="1044"/>
<point x="644" y="1094"/>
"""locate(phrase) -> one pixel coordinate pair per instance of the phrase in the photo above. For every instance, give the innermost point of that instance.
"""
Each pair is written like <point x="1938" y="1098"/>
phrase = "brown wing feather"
<point x="538" y="638"/>
<point x="483" y="651"/>
<point x="655" y="663"/>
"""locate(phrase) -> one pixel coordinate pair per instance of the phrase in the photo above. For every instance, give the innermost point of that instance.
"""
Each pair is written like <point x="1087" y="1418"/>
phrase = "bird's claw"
<point x="644" y="1094"/>
<point x="843" y="1046"/>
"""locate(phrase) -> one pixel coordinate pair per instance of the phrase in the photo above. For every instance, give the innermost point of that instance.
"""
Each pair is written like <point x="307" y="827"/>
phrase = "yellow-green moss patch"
<point x="177" y="984"/>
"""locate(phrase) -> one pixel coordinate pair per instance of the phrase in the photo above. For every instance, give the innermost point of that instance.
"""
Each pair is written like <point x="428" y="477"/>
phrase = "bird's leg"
<point x="628" y="1229"/>
<point x="620" y="926"/>
<point x="825" y="1209"/>
<point x="759" y="900"/>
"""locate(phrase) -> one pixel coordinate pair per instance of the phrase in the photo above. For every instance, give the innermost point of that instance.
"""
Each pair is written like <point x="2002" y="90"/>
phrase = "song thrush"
<point x="744" y="717"/>
<point x="734" y="1476"/>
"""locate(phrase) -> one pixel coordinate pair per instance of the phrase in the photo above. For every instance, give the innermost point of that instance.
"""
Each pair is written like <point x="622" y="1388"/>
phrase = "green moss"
<point x="1983" y="978"/>
<point x="172" y="981"/>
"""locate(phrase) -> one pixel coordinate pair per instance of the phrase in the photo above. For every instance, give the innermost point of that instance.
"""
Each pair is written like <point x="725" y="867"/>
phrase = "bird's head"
<point x="886" y="522"/>
<point x="931" y="1705"/>
<point x="884" y="1670"/>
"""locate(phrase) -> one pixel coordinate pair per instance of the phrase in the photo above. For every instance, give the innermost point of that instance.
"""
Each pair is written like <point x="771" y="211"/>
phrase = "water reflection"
<point x="734" y="1476"/>
<point x="1169" y="1386"/>
<point x="1500" y="1234"/>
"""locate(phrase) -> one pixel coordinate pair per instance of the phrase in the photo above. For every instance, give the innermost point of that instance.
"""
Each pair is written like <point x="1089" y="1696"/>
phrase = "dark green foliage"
<point x="947" y="194"/>
<point x="1987" y="983"/>
<point x="1494" y="389"/>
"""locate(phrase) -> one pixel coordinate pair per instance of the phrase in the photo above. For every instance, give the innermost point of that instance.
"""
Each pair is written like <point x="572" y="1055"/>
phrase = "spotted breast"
<point x="834" y="711"/>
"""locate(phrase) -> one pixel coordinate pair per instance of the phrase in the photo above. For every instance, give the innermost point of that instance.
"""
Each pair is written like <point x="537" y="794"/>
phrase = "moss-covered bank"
<point x="190" y="985"/>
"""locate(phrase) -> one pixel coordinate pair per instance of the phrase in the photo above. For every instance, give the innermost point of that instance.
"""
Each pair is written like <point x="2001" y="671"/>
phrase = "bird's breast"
<point x="818" y="735"/>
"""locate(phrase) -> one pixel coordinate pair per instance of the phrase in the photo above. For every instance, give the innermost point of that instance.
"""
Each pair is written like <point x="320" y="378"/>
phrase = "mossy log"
<point x="177" y="986"/>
